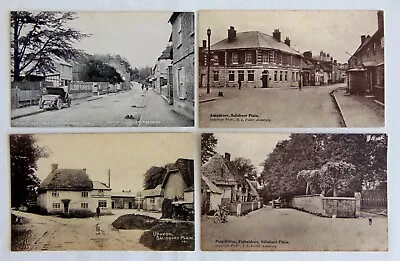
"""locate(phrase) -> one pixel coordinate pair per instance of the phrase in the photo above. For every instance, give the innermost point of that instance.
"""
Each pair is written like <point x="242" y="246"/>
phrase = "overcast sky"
<point x="335" y="32"/>
<point x="138" y="36"/>
<point x="253" y="146"/>
<point x="127" y="155"/>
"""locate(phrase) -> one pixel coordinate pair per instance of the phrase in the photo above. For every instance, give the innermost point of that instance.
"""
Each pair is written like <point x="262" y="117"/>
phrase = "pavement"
<point x="292" y="230"/>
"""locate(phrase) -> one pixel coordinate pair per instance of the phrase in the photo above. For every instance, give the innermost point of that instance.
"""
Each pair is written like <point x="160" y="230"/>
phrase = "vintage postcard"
<point x="294" y="69"/>
<point x="294" y="192"/>
<point x="100" y="192"/>
<point x="102" y="69"/>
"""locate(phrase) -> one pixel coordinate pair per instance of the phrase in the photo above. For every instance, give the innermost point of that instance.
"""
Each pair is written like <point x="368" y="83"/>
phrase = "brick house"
<point x="366" y="67"/>
<point x="183" y="34"/>
<point x="256" y="59"/>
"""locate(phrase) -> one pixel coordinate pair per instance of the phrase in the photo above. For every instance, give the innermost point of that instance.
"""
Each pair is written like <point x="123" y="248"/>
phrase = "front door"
<point x="264" y="79"/>
<point x="66" y="205"/>
<point x="130" y="205"/>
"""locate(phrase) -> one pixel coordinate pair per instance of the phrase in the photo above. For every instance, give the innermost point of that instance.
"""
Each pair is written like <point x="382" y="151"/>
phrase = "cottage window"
<point x="280" y="58"/>
<point x="382" y="42"/>
<point x="250" y="76"/>
<point x="231" y="76"/>
<point x="102" y="203"/>
<point x="286" y="76"/>
<point x="275" y="75"/>
<point x="271" y="57"/>
<point x="55" y="193"/>
<point x="56" y="205"/>
<point x="235" y="58"/>
<point x="152" y="201"/>
<point x="84" y="205"/>
<point x="216" y="76"/>
<point x="85" y="194"/>
<point x="241" y="75"/>
<point x="265" y="57"/>
<point x="181" y="83"/>
<point x="247" y="58"/>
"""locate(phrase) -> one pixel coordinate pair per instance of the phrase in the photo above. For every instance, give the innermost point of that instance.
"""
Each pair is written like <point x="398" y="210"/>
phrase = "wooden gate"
<point x="374" y="200"/>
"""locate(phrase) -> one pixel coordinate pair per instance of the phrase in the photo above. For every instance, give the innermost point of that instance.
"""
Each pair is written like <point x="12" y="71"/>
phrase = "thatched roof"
<point x="220" y="171"/>
<point x="207" y="185"/>
<point x="185" y="167"/>
<point x="67" y="179"/>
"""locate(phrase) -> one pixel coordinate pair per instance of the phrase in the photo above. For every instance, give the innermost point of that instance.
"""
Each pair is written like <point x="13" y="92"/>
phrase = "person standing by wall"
<point x="98" y="212"/>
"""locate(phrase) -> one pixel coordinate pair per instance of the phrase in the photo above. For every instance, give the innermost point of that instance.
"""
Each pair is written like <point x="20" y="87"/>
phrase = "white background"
<point x="392" y="70"/>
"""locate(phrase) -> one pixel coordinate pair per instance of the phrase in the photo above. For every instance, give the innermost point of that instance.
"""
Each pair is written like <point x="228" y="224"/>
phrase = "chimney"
<point x="380" y="20"/>
<point x="277" y="35"/>
<point x="204" y="44"/>
<point x="109" y="178"/>
<point x="231" y="34"/>
<point x="334" y="62"/>
<point x="227" y="156"/>
<point x="321" y="54"/>
<point x="362" y="38"/>
<point x="54" y="166"/>
<point x="287" y="41"/>
<point x="84" y="170"/>
<point x="308" y="54"/>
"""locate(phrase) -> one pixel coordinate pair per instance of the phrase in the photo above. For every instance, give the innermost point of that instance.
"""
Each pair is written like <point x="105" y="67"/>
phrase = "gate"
<point x="374" y="200"/>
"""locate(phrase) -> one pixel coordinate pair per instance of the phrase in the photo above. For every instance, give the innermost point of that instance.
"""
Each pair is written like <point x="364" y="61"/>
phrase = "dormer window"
<point x="55" y="194"/>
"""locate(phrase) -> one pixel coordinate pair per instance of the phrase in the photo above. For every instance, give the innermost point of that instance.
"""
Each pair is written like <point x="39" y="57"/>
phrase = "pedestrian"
<point x="142" y="86"/>
<point x="300" y="85"/>
<point x="98" y="211"/>
<point x="240" y="84"/>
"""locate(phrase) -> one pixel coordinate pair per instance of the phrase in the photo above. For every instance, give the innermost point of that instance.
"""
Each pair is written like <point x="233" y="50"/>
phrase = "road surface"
<point x="290" y="230"/>
<point x="309" y="107"/>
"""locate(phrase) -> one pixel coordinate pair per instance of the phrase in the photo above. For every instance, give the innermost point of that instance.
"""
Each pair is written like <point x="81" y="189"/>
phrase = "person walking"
<point x="240" y="84"/>
<point x="98" y="211"/>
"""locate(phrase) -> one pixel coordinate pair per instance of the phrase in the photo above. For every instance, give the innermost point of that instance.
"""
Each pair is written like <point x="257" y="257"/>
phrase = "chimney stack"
<point x="308" y="54"/>
<point x="109" y="178"/>
<point x="362" y="38"/>
<point x="380" y="20"/>
<point x="54" y="166"/>
<point x="204" y="44"/>
<point x="231" y="34"/>
<point x="84" y="170"/>
<point x="277" y="35"/>
<point x="287" y="41"/>
<point x="227" y="156"/>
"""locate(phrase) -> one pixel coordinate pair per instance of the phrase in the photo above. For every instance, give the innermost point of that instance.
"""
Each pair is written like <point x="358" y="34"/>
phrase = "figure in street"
<point x="98" y="212"/>
<point x="240" y="84"/>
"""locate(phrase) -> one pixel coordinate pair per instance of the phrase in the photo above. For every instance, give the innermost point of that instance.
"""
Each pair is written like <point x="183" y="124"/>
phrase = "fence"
<point x="242" y="208"/>
<point x="374" y="200"/>
<point x="25" y="93"/>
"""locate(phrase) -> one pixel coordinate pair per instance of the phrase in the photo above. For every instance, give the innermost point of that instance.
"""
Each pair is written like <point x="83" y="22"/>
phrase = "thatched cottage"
<point x="179" y="179"/>
<point x="68" y="191"/>
<point x="151" y="199"/>
<point x="211" y="196"/>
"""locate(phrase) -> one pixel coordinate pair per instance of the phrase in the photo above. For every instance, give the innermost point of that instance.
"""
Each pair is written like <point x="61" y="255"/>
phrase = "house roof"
<point x="155" y="192"/>
<point x="220" y="171"/>
<point x="173" y="17"/>
<point x="253" y="39"/>
<point x="67" y="179"/>
<point x="166" y="54"/>
<point x="253" y="185"/>
<point x="120" y="194"/>
<point x="100" y="185"/>
<point x="378" y="33"/>
<point x="208" y="185"/>
<point x="306" y="64"/>
<point x="185" y="167"/>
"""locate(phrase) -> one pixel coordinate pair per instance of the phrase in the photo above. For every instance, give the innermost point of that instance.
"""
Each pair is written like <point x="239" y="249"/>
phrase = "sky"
<point x="334" y="32"/>
<point x="138" y="36"/>
<point x="128" y="156"/>
<point x="253" y="146"/>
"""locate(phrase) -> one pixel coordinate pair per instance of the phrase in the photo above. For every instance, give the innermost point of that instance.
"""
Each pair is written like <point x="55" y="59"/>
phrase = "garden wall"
<point x="243" y="208"/>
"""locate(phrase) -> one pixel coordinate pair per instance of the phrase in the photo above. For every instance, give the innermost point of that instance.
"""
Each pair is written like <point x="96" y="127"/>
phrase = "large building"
<point x="366" y="72"/>
<point x="255" y="59"/>
<point x="183" y="32"/>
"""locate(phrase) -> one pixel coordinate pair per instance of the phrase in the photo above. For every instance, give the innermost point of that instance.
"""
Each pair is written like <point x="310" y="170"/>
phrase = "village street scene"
<point x="294" y="192"/>
<point x="305" y="69"/>
<point x="102" y="69"/>
<point x="66" y="196"/>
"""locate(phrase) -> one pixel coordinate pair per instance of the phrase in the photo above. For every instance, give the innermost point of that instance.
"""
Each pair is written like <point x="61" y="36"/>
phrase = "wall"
<point x="188" y="196"/>
<point x="309" y="203"/>
<point x="175" y="186"/>
<point x="244" y="208"/>
<point x="156" y="206"/>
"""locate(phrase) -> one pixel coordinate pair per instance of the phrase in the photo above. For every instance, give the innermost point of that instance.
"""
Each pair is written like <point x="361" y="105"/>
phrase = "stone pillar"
<point x="357" y="196"/>
<point x="252" y="206"/>
<point x="238" y="209"/>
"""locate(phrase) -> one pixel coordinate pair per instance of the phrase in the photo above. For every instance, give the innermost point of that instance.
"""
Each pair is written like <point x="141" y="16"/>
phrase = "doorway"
<point x="66" y="205"/>
<point x="264" y="79"/>
<point x="130" y="205"/>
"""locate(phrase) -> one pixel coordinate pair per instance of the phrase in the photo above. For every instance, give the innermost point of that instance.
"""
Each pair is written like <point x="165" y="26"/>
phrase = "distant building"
<point x="163" y="85"/>
<point x="183" y="32"/>
<point x="123" y="200"/>
<point x="366" y="67"/>
<point x="150" y="199"/>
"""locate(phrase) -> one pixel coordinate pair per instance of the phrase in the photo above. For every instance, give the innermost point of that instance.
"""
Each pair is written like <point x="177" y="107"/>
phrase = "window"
<point x="286" y="76"/>
<point x="374" y="48"/>
<point x="216" y="76"/>
<point x="280" y="76"/>
<point x="152" y="201"/>
<point x="250" y="76"/>
<point x="382" y="42"/>
<point x="231" y="76"/>
<point x="235" y="58"/>
<point x="276" y="57"/>
<point x="102" y="203"/>
<point x="179" y="26"/>
<point x="265" y="57"/>
<point x="241" y="75"/>
<point x="56" y="205"/>
<point x="297" y="76"/>
<point x="293" y="75"/>
<point x="84" y="205"/>
<point x="181" y="83"/>
<point x="216" y="59"/>
<point x="279" y="58"/>
<point x="247" y="57"/>
<point x="193" y="20"/>
<point x="275" y="75"/>
<point x="85" y="194"/>
<point x="55" y="193"/>
<point x="271" y="57"/>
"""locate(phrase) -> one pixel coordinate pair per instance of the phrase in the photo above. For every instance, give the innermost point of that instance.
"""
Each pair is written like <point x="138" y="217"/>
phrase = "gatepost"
<point x="357" y="196"/>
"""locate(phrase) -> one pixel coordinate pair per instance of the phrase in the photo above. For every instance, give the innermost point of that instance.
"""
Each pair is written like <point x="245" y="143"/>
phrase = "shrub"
<point x="78" y="213"/>
<point x="132" y="221"/>
<point x="167" y="208"/>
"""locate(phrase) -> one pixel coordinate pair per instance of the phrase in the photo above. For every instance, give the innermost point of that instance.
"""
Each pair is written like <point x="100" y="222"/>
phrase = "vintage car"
<point x="277" y="203"/>
<point x="183" y="210"/>
<point x="55" y="97"/>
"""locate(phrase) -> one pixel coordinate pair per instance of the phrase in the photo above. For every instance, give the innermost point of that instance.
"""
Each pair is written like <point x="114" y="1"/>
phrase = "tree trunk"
<point x="16" y="58"/>
<point x="307" y="188"/>
<point x="335" y="191"/>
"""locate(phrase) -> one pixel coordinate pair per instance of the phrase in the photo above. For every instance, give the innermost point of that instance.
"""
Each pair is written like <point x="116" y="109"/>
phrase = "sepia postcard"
<point x="102" y="192"/>
<point x="294" y="192"/>
<point x="291" y="69"/>
<point x="102" y="69"/>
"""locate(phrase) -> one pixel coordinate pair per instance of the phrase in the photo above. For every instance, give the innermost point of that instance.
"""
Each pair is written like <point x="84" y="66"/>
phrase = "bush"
<point x="168" y="236"/>
<point x="78" y="213"/>
<point x="132" y="221"/>
<point x="167" y="208"/>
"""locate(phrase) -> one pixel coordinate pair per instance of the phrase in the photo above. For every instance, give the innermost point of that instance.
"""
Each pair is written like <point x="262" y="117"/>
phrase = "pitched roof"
<point x="67" y="179"/>
<point x="166" y="54"/>
<point x="219" y="171"/>
<point x="378" y="33"/>
<point x="208" y="185"/>
<point x="123" y="194"/>
<point x="100" y="185"/>
<point x="253" y="187"/>
<point x="185" y="167"/>
<point x="155" y="192"/>
<point x="173" y="17"/>
<point x="254" y="39"/>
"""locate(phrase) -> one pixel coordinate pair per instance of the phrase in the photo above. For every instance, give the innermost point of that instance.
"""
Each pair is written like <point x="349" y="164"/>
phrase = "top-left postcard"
<point x="102" y="69"/>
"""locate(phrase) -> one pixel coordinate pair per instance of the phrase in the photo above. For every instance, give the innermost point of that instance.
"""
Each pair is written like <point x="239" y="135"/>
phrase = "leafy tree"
<point x="336" y="176"/>
<point x="154" y="176"/>
<point x="98" y="71"/>
<point x="245" y="168"/>
<point x="311" y="177"/>
<point x="37" y="38"/>
<point x="24" y="153"/>
<point x="208" y="145"/>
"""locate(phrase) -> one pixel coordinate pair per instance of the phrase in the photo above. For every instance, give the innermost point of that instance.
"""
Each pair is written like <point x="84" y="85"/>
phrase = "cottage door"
<point x="66" y="205"/>
<point x="264" y="79"/>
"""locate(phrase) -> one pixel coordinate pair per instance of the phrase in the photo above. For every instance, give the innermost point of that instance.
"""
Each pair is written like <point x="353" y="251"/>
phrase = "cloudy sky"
<point x="138" y="36"/>
<point x="335" y="32"/>
<point x="254" y="146"/>
<point x="127" y="155"/>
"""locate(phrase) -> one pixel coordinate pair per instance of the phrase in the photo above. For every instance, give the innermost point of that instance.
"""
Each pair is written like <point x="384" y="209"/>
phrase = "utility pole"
<point x="208" y="60"/>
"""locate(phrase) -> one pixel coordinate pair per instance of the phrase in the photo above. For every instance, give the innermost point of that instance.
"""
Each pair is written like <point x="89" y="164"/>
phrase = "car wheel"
<point x="59" y="104"/>
<point x="69" y="103"/>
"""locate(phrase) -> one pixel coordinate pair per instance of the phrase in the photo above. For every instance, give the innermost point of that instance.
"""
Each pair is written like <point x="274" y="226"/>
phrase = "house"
<point x="123" y="200"/>
<point x="151" y="199"/>
<point x="366" y="67"/>
<point x="183" y="31"/>
<point x="320" y="70"/>
<point x="256" y="59"/>
<point x="221" y="172"/>
<point x="162" y="85"/>
<point x="67" y="191"/>
<point x="211" y="196"/>
<point x="179" y="180"/>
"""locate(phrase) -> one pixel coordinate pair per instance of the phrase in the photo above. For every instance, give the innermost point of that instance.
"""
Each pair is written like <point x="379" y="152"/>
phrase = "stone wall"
<point x="242" y="208"/>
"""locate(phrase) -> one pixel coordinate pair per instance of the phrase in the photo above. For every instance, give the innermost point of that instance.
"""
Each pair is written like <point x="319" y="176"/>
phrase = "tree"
<point x="336" y="176"/>
<point x="153" y="177"/>
<point x="311" y="177"/>
<point x="208" y="145"/>
<point x="97" y="71"/>
<point x="245" y="168"/>
<point x="24" y="153"/>
<point x="38" y="38"/>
